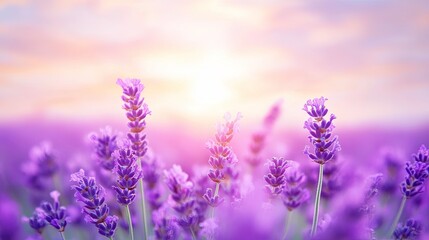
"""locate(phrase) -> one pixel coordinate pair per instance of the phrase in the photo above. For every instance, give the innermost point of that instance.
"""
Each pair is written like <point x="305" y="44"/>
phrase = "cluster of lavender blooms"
<point x="324" y="144"/>
<point x="88" y="192"/>
<point x="137" y="110"/>
<point x="42" y="165"/>
<point x="53" y="214"/>
<point x="294" y="193"/>
<point x="259" y="137"/>
<point x="408" y="231"/>
<point x="180" y="204"/>
<point x="105" y="144"/>
<point x="128" y="175"/>
<point x="222" y="160"/>
<point x="182" y="200"/>
<point x="284" y="179"/>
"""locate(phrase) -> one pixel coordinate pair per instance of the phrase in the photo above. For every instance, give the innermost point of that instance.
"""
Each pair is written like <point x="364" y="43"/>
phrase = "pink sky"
<point x="200" y="59"/>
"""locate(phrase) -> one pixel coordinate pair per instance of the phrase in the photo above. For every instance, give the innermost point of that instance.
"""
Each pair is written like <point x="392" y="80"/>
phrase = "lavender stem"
<point x="130" y="223"/>
<point x="215" y="194"/>
<point x="398" y="216"/>
<point x="287" y="224"/>
<point x="193" y="234"/>
<point x="317" y="201"/>
<point x="143" y="203"/>
<point x="62" y="235"/>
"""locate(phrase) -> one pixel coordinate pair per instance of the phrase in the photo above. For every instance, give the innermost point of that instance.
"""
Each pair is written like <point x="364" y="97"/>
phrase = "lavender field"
<point x="208" y="120"/>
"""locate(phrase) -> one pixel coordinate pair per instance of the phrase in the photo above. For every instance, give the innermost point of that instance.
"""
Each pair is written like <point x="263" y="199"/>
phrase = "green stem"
<point x="317" y="201"/>
<point x="193" y="234"/>
<point x="130" y="222"/>
<point x="111" y="238"/>
<point x="288" y="218"/>
<point x="215" y="194"/>
<point x="398" y="216"/>
<point x="143" y="203"/>
<point x="62" y="236"/>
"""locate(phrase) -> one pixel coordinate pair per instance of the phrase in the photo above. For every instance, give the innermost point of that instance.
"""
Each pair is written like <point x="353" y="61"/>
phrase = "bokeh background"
<point x="59" y="61"/>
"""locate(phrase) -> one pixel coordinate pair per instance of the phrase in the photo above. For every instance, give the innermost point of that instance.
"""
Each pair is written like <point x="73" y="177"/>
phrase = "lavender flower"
<point x="42" y="165"/>
<point x="373" y="184"/>
<point x="408" y="231"/>
<point x="417" y="173"/>
<point x="413" y="184"/>
<point x="105" y="144"/>
<point x="324" y="145"/>
<point x="223" y="159"/>
<point x="276" y="176"/>
<point x="294" y="194"/>
<point x="92" y="196"/>
<point x="151" y="172"/>
<point x="55" y="214"/>
<point x="320" y="129"/>
<point x="137" y="110"/>
<point x="182" y="199"/>
<point x="37" y="221"/>
<point x="422" y="155"/>
<point x="128" y="176"/>
<point x="258" y="137"/>
<point x="165" y="227"/>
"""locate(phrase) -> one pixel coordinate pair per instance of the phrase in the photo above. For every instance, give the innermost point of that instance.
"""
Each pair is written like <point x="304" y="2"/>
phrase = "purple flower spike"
<point x="55" y="214"/>
<point x="137" y="110"/>
<point x="128" y="176"/>
<point x="258" y="137"/>
<point x="212" y="200"/>
<point x="37" y="221"/>
<point x="422" y="155"/>
<point x="105" y="144"/>
<point x="276" y="176"/>
<point x="320" y="129"/>
<point x="417" y="173"/>
<point x="410" y="230"/>
<point x="294" y="194"/>
<point x="182" y="198"/>
<point x="95" y="208"/>
<point x="165" y="227"/>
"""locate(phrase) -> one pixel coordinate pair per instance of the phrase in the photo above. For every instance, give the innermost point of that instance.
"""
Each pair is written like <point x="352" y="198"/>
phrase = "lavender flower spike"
<point x="413" y="184"/>
<point x="55" y="214"/>
<point x="410" y="230"/>
<point x="128" y="176"/>
<point x="294" y="194"/>
<point x="320" y="129"/>
<point x="182" y="199"/>
<point x="92" y="196"/>
<point x="37" y="221"/>
<point x="105" y="144"/>
<point x="276" y="176"/>
<point x="324" y="145"/>
<point x="222" y="158"/>
<point x="137" y="110"/>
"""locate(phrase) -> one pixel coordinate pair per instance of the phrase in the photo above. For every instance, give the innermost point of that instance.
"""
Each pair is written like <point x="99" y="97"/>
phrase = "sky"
<point x="199" y="59"/>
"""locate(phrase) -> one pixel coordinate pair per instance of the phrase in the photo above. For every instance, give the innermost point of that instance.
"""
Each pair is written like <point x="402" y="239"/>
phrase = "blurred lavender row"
<point x="249" y="183"/>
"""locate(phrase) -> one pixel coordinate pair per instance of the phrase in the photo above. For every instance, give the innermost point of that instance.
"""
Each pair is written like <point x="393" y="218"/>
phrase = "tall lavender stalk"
<point x="222" y="158"/>
<point x="126" y="184"/>
<point x="324" y="144"/>
<point x="258" y="137"/>
<point x="294" y="193"/>
<point x="91" y="195"/>
<point x="137" y="110"/>
<point x="182" y="199"/>
<point x="413" y="184"/>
